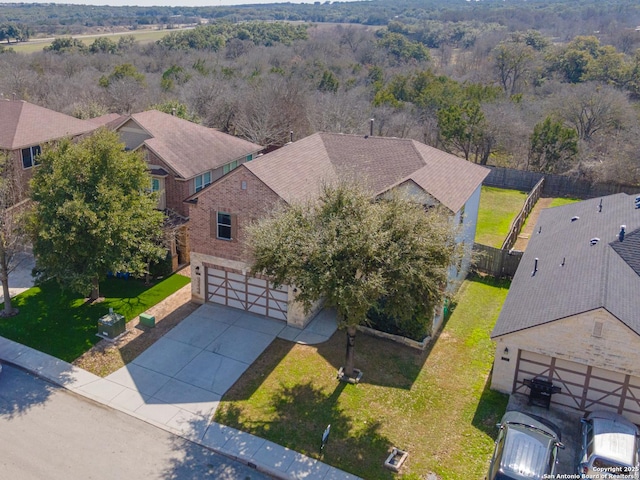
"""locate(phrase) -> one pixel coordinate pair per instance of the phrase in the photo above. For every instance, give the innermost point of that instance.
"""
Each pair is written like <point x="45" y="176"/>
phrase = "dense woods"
<point x="544" y="85"/>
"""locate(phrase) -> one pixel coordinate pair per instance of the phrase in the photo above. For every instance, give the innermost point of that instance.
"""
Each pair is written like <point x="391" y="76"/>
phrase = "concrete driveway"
<point x="567" y="420"/>
<point x="195" y="363"/>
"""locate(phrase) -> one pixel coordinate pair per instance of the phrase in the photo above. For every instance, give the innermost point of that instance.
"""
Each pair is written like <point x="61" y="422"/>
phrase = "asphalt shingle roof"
<point x="573" y="275"/>
<point x="296" y="172"/>
<point x="24" y="124"/>
<point x="189" y="148"/>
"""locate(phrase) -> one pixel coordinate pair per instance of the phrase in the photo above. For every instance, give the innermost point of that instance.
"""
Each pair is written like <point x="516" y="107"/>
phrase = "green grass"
<point x="498" y="208"/>
<point x="435" y="404"/>
<point x="145" y="36"/>
<point x="558" y="202"/>
<point x="61" y="324"/>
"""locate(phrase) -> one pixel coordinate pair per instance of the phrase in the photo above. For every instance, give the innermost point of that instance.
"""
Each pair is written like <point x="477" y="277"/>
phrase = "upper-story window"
<point x="155" y="184"/>
<point x="229" y="166"/>
<point x="29" y="156"/>
<point x="202" y="181"/>
<point x="224" y="224"/>
<point x="249" y="157"/>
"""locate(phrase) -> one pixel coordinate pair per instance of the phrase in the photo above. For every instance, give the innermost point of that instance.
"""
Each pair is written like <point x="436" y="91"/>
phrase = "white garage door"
<point x="584" y="388"/>
<point x="255" y="295"/>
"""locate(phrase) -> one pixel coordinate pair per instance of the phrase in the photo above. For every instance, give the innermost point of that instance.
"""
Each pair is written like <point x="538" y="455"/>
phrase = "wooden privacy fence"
<point x="495" y="261"/>
<point x="518" y="222"/>
<point x="554" y="185"/>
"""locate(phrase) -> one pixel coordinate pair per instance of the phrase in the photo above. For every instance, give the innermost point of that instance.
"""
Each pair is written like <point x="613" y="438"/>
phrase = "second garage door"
<point x="583" y="387"/>
<point x="255" y="295"/>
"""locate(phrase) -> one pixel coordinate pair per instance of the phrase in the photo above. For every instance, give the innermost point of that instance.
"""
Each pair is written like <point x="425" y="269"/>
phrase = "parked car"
<point x="609" y="447"/>
<point x="526" y="448"/>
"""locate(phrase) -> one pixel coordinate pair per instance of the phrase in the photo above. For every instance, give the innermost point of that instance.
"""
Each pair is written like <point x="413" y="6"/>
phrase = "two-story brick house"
<point x="219" y="213"/>
<point x="183" y="158"/>
<point x="26" y="128"/>
<point x="572" y="315"/>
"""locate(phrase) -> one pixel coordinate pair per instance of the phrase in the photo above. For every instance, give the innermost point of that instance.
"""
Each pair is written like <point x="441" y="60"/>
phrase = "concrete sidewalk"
<point x="178" y="382"/>
<point x="20" y="279"/>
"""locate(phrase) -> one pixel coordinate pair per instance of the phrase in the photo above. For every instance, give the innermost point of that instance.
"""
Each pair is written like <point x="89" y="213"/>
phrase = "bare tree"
<point x="271" y="110"/>
<point x="512" y="63"/>
<point x="592" y="108"/>
<point x="11" y="235"/>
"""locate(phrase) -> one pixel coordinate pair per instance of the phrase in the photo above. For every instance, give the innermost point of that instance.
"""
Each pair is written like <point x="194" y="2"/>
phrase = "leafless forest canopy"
<point x="547" y="85"/>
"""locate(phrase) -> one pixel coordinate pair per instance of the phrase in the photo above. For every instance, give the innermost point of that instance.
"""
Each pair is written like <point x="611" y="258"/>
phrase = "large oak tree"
<point x="356" y="253"/>
<point x="93" y="213"/>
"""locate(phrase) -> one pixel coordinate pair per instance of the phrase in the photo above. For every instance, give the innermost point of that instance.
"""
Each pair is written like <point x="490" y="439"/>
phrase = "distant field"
<point x="144" y="36"/>
<point x="498" y="208"/>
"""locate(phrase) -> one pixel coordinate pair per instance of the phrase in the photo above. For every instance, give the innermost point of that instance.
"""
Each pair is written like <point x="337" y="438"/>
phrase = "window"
<point x="155" y="184"/>
<point x="249" y="157"/>
<point x="202" y="181"/>
<point x="29" y="156"/>
<point x="229" y="166"/>
<point x="224" y="226"/>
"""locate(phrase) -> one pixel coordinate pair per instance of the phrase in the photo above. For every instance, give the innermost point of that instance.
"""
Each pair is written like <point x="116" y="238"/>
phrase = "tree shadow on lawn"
<point x="301" y="413"/>
<point x="384" y="362"/>
<point x="490" y="409"/>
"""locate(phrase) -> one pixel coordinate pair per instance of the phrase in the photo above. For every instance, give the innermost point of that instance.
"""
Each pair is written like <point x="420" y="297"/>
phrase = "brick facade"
<point x="244" y="205"/>
<point x="207" y="251"/>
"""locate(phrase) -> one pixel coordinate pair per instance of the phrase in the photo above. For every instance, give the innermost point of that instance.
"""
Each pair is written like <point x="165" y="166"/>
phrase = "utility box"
<point x="147" y="320"/>
<point x="111" y="325"/>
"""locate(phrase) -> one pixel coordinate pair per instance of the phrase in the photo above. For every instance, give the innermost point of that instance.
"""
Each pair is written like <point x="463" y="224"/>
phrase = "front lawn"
<point x="498" y="208"/>
<point x="436" y="404"/>
<point x="61" y="324"/>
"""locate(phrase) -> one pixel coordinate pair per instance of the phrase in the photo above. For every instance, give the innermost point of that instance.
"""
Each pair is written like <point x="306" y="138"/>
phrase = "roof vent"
<point x="539" y="229"/>
<point x="371" y="127"/>
<point x="562" y="264"/>
<point x="594" y="240"/>
<point x="600" y="206"/>
<point x="621" y="234"/>
<point x="597" y="329"/>
<point x="573" y="219"/>
<point x="535" y="267"/>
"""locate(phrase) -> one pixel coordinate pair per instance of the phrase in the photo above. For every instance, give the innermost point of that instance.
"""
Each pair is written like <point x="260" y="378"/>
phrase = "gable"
<point x="132" y="134"/>
<point x="595" y="338"/>
<point x="415" y="192"/>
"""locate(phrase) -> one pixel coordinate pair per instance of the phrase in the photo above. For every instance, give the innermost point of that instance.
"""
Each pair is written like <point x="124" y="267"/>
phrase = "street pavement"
<point x="178" y="382"/>
<point x="47" y="432"/>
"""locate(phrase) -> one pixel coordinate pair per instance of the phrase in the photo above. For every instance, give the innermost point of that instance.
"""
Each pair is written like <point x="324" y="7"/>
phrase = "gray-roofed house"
<point x="183" y="158"/>
<point x="25" y="128"/>
<point x="572" y="315"/>
<point x="294" y="173"/>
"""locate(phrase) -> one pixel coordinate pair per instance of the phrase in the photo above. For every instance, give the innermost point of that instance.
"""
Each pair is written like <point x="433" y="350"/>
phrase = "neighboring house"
<point x="575" y="319"/>
<point x="294" y="173"/>
<point x="26" y="128"/>
<point x="183" y="158"/>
